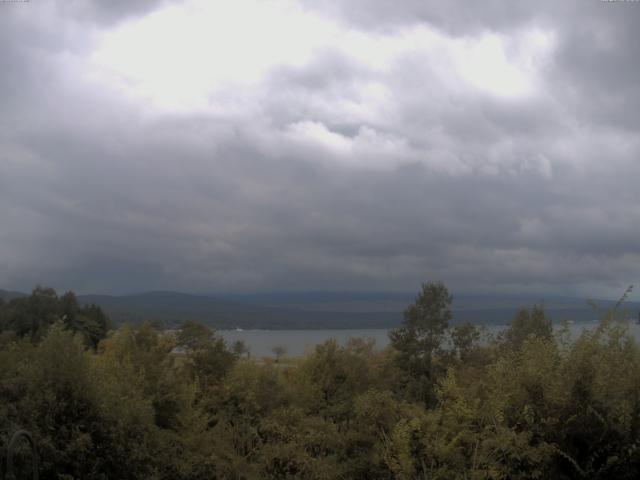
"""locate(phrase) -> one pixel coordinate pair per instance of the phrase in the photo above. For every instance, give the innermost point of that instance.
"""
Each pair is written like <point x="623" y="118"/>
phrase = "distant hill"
<point x="172" y="308"/>
<point x="490" y="309"/>
<point x="318" y="310"/>
<point x="8" y="294"/>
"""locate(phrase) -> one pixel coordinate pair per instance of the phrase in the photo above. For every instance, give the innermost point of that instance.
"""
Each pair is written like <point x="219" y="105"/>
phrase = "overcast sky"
<point x="246" y="145"/>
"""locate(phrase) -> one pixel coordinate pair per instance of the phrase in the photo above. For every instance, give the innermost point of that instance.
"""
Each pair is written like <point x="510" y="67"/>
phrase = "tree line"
<point x="440" y="402"/>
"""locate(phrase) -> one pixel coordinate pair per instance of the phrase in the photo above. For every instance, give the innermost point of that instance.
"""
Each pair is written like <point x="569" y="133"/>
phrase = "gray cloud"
<point x="107" y="13"/>
<point x="333" y="173"/>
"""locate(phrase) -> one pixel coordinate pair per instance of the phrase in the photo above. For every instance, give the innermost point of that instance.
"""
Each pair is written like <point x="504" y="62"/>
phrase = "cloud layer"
<point x="242" y="146"/>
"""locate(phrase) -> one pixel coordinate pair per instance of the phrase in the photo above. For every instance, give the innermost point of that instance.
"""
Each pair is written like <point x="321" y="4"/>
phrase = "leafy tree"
<point x="239" y="348"/>
<point x="81" y="428"/>
<point x="145" y="354"/>
<point x="32" y="316"/>
<point x="137" y="367"/>
<point x="279" y="351"/>
<point x="528" y="322"/>
<point x="464" y="337"/>
<point x="298" y="445"/>
<point x="420" y="336"/>
<point x="92" y="323"/>
<point x="328" y="380"/>
<point x="208" y="357"/>
<point x="194" y="336"/>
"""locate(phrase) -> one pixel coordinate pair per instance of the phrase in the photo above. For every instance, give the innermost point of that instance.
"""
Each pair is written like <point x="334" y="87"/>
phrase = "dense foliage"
<point x="439" y="403"/>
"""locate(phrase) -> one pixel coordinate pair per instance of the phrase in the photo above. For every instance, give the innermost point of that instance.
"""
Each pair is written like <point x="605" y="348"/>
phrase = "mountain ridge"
<point x="318" y="310"/>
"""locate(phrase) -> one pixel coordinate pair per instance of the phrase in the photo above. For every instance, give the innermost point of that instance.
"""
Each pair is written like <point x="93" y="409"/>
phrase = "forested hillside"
<point x="140" y="403"/>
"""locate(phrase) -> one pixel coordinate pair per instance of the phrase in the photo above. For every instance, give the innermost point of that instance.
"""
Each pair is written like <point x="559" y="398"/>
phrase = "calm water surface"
<point x="298" y="342"/>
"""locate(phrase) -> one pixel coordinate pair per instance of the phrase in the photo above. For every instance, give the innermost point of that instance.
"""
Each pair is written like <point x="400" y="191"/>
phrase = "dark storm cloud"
<point x="332" y="173"/>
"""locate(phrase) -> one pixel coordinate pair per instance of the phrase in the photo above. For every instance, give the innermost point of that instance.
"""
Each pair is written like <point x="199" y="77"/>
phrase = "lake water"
<point x="298" y="342"/>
